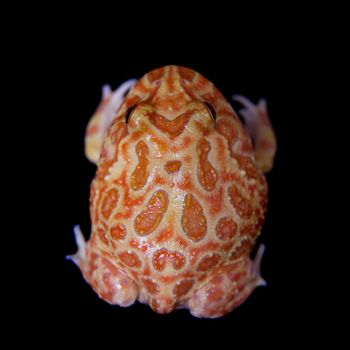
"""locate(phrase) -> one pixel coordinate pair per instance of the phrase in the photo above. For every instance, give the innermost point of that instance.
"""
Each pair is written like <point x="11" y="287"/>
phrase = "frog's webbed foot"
<point x="109" y="282"/>
<point x="102" y="118"/>
<point x="227" y="288"/>
<point x="260" y="130"/>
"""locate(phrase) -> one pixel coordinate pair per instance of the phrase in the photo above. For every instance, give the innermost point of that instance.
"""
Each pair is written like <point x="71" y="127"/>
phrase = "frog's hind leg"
<point x="108" y="281"/>
<point x="259" y="127"/>
<point x="102" y="118"/>
<point x="228" y="287"/>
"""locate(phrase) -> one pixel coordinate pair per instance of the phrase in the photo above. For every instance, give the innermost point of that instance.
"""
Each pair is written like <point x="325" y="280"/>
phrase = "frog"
<point x="179" y="197"/>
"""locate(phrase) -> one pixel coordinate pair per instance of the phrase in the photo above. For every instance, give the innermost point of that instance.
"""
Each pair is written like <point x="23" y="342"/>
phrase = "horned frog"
<point x="179" y="196"/>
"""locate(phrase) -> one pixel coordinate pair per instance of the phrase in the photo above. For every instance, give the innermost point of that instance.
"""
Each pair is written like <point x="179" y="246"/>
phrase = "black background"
<point x="269" y="311"/>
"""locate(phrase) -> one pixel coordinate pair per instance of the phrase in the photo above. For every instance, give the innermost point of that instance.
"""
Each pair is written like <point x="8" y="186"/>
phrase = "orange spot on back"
<point x="177" y="260"/>
<point x="242" y="250"/>
<point x="249" y="231"/>
<point x="140" y="174"/>
<point x="228" y="129"/>
<point x="162" y="256"/>
<point x="181" y="242"/>
<point x="181" y="288"/>
<point x="159" y="259"/>
<point x="159" y="180"/>
<point x="208" y="262"/>
<point x="226" y="229"/>
<point x="164" y="235"/>
<point x="240" y="203"/>
<point x="150" y="285"/>
<point x="172" y="167"/>
<point x="247" y="164"/>
<point x="206" y="173"/>
<point x="101" y="233"/>
<point x="162" y="146"/>
<point x="185" y="183"/>
<point x="207" y="247"/>
<point x="109" y="203"/>
<point x="194" y="222"/>
<point x="118" y="231"/>
<point x="150" y="217"/>
<point x="215" y="201"/>
<point x="130" y="259"/>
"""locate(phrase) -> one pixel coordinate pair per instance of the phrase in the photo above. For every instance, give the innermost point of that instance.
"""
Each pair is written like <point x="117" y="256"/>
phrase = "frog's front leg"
<point x="109" y="282"/>
<point x="102" y="118"/>
<point x="260" y="129"/>
<point x="228" y="287"/>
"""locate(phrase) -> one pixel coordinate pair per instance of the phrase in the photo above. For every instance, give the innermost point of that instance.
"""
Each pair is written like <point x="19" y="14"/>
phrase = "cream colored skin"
<point x="125" y="269"/>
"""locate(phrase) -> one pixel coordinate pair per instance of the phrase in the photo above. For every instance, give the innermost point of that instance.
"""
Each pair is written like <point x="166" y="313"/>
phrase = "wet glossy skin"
<point x="177" y="201"/>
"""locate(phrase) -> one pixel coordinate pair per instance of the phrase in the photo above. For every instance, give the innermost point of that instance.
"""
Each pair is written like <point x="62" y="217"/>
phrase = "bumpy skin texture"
<point x="178" y="199"/>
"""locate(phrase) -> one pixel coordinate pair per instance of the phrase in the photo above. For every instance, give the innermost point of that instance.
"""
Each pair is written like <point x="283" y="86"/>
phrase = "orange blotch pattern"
<point x="171" y="127"/>
<point x="151" y="216"/>
<point x="110" y="202"/>
<point x="101" y="233"/>
<point x="242" y="250"/>
<point x="118" y="231"/>
<point x="151" y="286"/>
<point x="240" y="203"/>
<point x="164" y="235"/>
<point x="130" y="259"/>
<point x="207" y="175"/>
<point x="247" y="164"/>
<point x="227" y="129"/>
<point x="194" y="222"/>
<point x="172" y="166"/>
<point x="183" y="287"/>
<point x="140" y="175"/>
<point x="249" y="231"/>
<point x="162" y="256"/>
<point x="208" y="262"/>
<point x="226" y="229"/>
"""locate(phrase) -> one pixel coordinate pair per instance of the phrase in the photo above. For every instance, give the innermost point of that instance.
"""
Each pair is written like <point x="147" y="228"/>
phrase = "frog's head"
<point x="169" y="105"/>
<point x="169" y="100"/>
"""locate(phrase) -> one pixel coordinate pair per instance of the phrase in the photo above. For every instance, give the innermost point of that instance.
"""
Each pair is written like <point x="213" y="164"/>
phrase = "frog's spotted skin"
<point x="179" y="196"/>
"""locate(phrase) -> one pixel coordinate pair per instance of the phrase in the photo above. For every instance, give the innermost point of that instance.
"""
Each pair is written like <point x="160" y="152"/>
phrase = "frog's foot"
<point x="109" y="282"/>
<point x="227" y="288"/>
<point x="260" y="130"/>
<point x="80" y="256"/>
<point x="102" y="118"/>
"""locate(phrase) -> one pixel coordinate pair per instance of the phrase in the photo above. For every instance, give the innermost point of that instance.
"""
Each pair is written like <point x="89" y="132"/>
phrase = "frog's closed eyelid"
<point x="129" y="112"/>
<point x="211" y="109"/>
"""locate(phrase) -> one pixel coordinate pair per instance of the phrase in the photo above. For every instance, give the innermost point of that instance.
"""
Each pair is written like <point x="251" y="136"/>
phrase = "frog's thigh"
<point x="226" y="289"/>
<point x="259" y="127"/>
<point x="111" y="283"/>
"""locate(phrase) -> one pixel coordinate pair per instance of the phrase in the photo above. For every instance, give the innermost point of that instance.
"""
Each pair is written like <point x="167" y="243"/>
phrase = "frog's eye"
<point x="129" y="112"/>
<point x="211" y="110"/>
